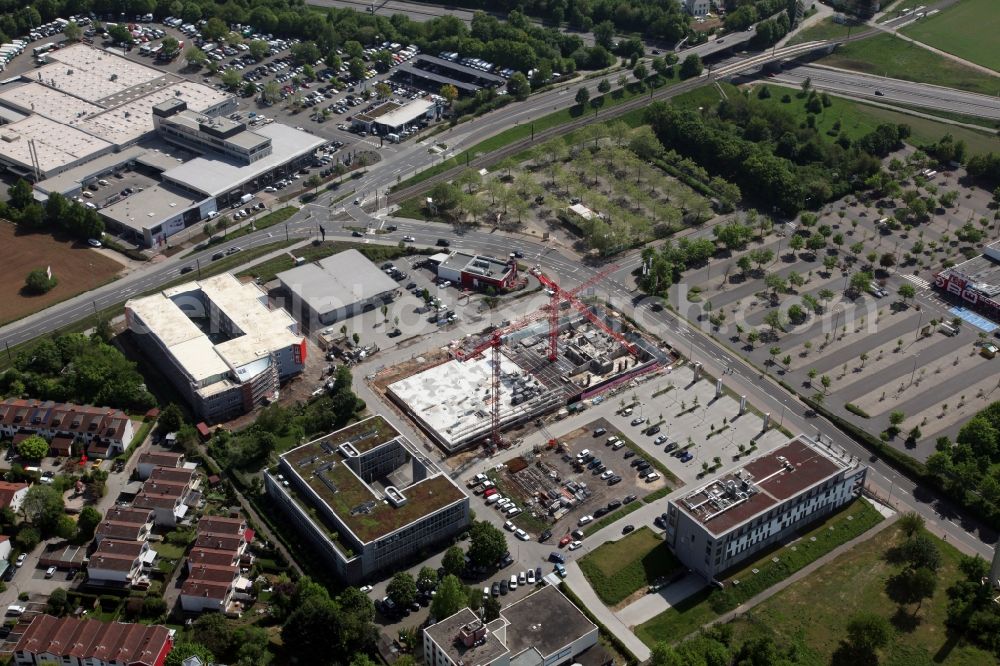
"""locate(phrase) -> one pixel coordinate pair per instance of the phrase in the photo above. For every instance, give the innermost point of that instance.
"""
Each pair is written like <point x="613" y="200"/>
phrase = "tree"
<point x="170" y="45"/>
<point x="640" y="72"/>
<point x="184" y="650"/>
<point x="271" y="92"/>
<point x="231" y="79"/>
<point x="916" y="585"/>
<point x="215" y="632"/>
<point x="826" y="382"/>
<point x="491" y="609"/>
<point x="356" y="68"/>
<point x="33" y="447"/>
<point x="774" y="320"/>
<point x="920" y="551"/>
<point x="27" y="538"/>
<point x="603" y="87"/>
<point x="454" y="561"/>
<point x="518" y="86"/>
<point x="120" y="34"/>
<point x="259" y="49"/>
<point x="907" y="291"/>
<point x="42" y="507"/>
<point x="859" y="281"/>
<point x="39" y="282"/>
<point x="195" y="56"/>
<point x="449" y="92"/>
<point x="896" y="418"/>
<point x="427" y="579"/>
<point x="57" y="603"/>
<point x="171" y="418"/>
<point x="582" y="96"/>
<point x="72" y="31"/>
<point x="487" y="544"/>
<point x="867" y="632"/>
<point x="691" y="67"/>
<point x="383" y="90"/>
<point x="450" y="597"/>
<point x="402" y="589"/>
<point x="87" y="522"/>
<point x="66" y="528"/>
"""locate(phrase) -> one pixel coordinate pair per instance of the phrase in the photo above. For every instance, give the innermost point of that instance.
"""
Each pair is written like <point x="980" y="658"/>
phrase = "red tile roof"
<point x="132" y="644"/>
<point x="213" y="573"/>
<point x="104" y="422"/>
<point x="206" y="589"/>
<point x="8" y="490"/>
<point x="221" y="525"/>
<point x="211" y="556"/>
<point x="231" y="542"/>
<point x="162" y="459"/>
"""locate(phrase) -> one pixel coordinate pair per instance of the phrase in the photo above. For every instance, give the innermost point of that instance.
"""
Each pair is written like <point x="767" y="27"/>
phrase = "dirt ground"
<point x="78" y="267"/>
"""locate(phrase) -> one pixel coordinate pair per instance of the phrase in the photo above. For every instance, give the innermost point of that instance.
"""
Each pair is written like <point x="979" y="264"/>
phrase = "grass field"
<point x="976" y="21"/>
<point x="812" y="614"/>
<point x="78" y="267"/>
<point x="823" y="30"/>
<point x="885" y="55"/>
<point x="619" y="568"/>
<point x="687" y="617"/>
<point x="858" y="119"/>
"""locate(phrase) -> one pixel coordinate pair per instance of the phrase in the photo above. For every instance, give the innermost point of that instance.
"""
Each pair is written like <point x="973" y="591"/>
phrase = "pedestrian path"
<point x="576" y="582"/>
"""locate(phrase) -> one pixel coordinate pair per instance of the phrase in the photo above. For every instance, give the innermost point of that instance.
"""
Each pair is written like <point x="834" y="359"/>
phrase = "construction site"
<point x="513" y="374"/>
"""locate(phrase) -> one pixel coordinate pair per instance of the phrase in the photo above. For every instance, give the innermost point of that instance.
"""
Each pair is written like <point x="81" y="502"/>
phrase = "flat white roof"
<point x="418" y="108"/>
<point x="55" y="144"/>
<point x="54" y="104"/>
<point x="453" y="400"/>
<point x="95" y="75"/>
<point x="215" y="176"/>
<point x="264" y="330"/>
<point x="150" y="207"/>
<point x="134" y="119"/>
<point x="344" y="278"/>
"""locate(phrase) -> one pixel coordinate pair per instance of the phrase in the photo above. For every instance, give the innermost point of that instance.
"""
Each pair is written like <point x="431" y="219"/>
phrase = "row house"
<point x="120" y="563"/>
<point x="214" y="581"/>
<point x="101" y="431"/>
<point x="125" y="524"/>
<point x="73" y="642"/>
<point x="152" y="459"/>
<point x="168" y="493"/>
<point x="12" y="495"/>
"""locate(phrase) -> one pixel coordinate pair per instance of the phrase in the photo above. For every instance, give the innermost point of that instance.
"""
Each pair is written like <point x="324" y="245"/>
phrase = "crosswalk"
<point x="918" y="281"/>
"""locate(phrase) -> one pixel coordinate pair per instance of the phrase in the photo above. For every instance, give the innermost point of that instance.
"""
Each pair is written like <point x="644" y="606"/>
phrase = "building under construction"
<point x="453" y="402"/>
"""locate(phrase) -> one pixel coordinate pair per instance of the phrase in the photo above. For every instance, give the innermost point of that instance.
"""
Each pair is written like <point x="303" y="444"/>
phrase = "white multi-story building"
<point x="743" y="512"/>
<point x="698" y="7"/>
<point x="542" y="629"/>
<point x="219" y="342"/>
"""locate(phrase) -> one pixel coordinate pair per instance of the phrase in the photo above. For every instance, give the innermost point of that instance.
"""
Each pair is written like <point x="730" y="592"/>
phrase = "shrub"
<point x="854" y="409"/>
<point x="39" y="282"/>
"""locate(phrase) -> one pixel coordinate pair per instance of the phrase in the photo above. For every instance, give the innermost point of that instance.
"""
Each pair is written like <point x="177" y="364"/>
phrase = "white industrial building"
<point x="219" y="343"/>
<point x="743" y="512"/>
<point x="542" y="629"/>
<point x="336" y="288"/>
<point x="391" y="117"/>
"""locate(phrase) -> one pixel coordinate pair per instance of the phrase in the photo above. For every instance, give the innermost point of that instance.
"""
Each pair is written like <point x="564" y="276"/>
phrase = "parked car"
<point x="585" y="519"/>
<point x="628" y="528"/>
<point x="575" y="545"/>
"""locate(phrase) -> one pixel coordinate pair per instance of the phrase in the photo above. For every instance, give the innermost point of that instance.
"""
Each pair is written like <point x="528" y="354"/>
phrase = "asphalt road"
<point x="894" y="91"/>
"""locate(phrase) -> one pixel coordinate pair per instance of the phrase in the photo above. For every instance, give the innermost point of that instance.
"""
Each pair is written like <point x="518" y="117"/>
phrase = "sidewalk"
<point x="822" y="12"/>
<point x="580" y="587"/>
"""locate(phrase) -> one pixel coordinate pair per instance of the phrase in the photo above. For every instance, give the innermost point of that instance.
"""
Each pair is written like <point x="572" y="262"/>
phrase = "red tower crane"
<point x="494" y="339"/>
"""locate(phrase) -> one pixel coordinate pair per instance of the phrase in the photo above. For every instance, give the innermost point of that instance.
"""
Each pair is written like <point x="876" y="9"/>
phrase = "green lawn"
<point x="885" y="55"/>
<point x="967" y="29"/>
<point x="823" y="30"/>
<point x="619" y="568"/>
<point x="894" y="9"/>
<point x="858" y="119"/>
<point x="686" y="618"/>
<point x="812" y="614"/>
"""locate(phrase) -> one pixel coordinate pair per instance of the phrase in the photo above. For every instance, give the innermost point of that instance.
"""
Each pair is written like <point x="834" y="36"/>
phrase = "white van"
<point x="16" y="611"/>
<point x="948" y="329"/>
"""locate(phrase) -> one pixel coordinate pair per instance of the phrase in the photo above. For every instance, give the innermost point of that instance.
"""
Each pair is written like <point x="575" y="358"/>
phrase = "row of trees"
<point x="57" y="214"/>
<point x="80" y="369"/>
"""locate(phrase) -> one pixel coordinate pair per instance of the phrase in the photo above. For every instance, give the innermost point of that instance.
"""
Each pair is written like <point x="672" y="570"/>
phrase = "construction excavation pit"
<point x="510" y="376"/>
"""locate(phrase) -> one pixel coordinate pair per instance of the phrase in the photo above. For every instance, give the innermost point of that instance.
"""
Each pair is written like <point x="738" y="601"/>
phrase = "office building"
<point x="542" y="629"/>
<point x="744" y="512"/>
<point x="219" y="343"/>
<point x="365" y="499"/>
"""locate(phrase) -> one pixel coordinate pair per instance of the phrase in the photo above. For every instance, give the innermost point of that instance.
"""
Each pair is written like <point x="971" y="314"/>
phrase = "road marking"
<point x="920" y="282"/>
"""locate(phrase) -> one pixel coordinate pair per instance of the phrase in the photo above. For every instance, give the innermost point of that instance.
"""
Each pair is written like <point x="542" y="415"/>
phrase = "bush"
<point x="39" y="282"/>
<point x="33" y="447"/>
<point x="854" y="409"/>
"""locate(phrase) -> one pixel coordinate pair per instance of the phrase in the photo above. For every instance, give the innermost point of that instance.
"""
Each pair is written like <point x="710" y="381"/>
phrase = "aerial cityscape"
<point x="408" y="333"/>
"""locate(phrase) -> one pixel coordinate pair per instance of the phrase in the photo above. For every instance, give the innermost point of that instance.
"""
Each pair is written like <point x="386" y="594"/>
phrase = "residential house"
<point x="150" y="460"/>
<point x="102" y="431"/>
<point x="125" y="524"/>
<point x="12" y="495"/>
<point x="119" y="563"/>
<point x="71" y="642"/>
